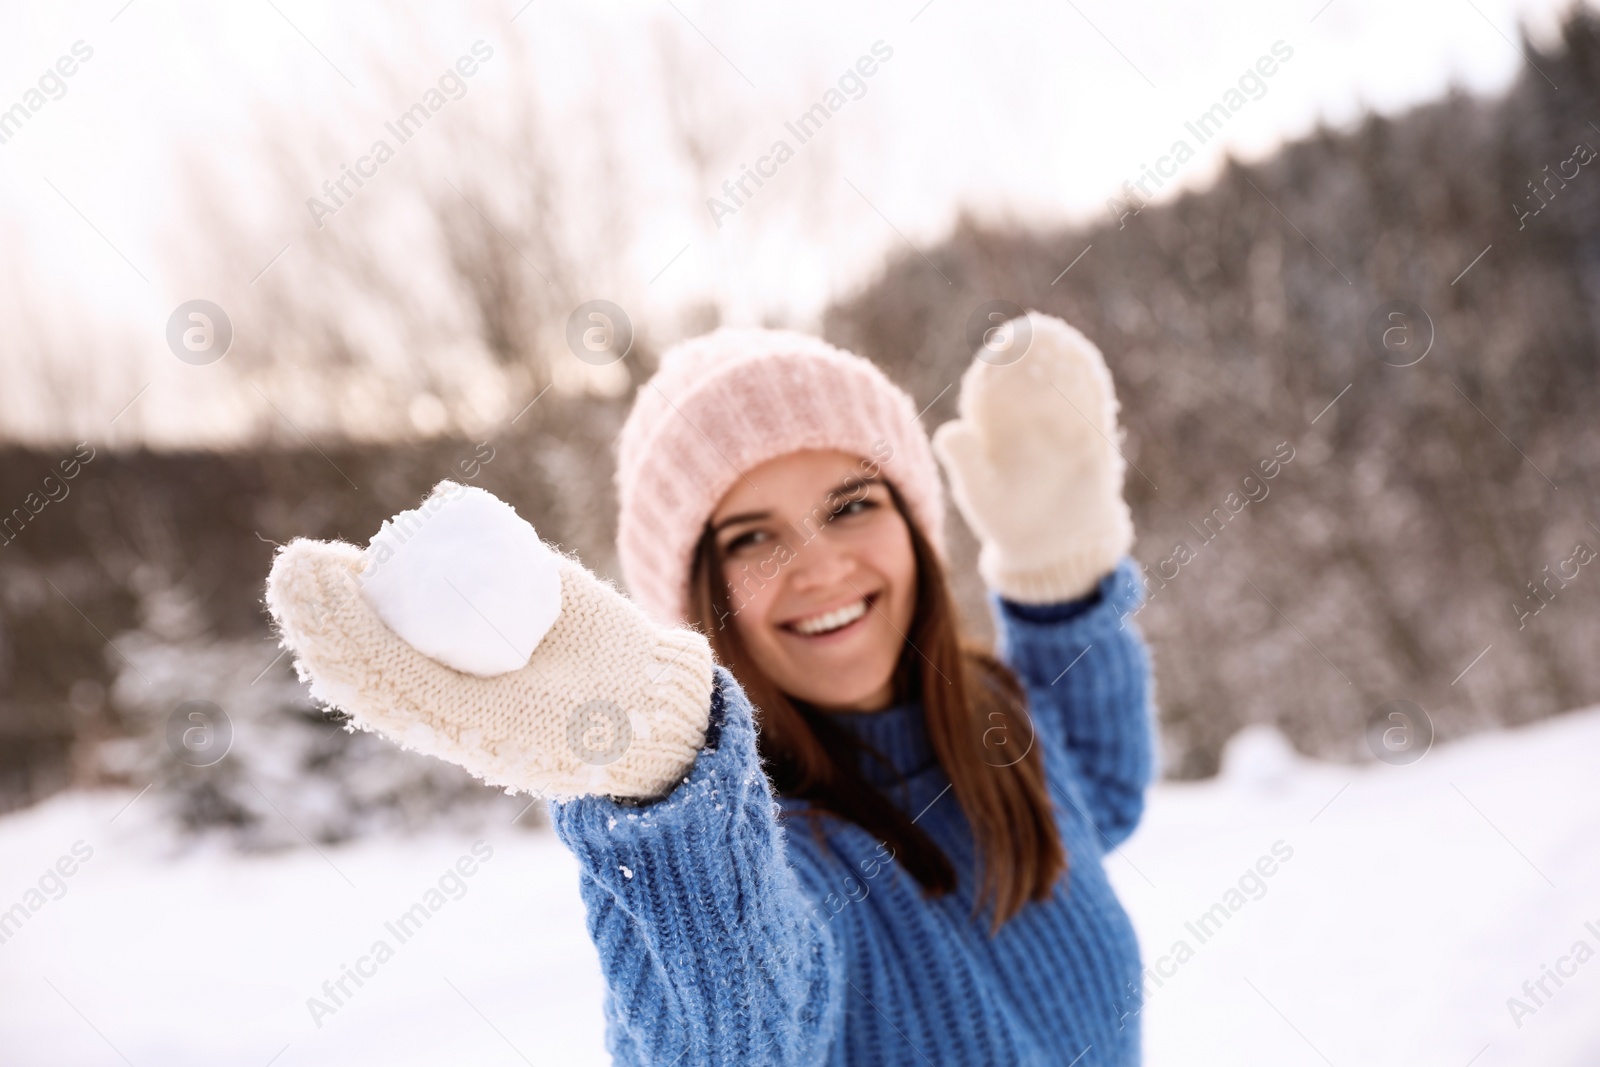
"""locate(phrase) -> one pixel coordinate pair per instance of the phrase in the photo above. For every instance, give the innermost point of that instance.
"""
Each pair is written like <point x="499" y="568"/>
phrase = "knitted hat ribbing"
<point x="728" y="401"/>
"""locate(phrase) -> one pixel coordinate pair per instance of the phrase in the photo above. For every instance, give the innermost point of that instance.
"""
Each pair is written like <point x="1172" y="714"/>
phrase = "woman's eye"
<point x="742" y="542"/>
<point x="855" y="507"/>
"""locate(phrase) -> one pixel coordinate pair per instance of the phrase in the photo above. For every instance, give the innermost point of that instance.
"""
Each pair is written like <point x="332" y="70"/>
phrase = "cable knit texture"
<point x="1035" y="466"/>
<point x="725" y="403"/>
<point x="608" y="702"/>
<point x="731" y="933"/>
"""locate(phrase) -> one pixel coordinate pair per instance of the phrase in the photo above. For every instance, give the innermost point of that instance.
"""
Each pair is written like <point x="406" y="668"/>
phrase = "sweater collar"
<point x="899" y="732"/>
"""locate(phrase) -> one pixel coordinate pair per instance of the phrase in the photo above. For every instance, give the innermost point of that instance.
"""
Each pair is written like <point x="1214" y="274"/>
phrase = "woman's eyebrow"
<point x="853" y="484"/>
<point x="745" y="516"/>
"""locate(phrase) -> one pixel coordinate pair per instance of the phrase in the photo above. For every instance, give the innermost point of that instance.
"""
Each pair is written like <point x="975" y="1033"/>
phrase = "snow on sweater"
<point x="731" y="936"/>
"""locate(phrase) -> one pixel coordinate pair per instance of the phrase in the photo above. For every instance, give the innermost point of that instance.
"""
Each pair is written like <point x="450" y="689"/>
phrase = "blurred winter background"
<point x="1376" y="254"/>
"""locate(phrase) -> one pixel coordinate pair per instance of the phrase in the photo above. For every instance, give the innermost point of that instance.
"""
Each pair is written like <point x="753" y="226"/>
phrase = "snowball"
<point x="464" y="580"/>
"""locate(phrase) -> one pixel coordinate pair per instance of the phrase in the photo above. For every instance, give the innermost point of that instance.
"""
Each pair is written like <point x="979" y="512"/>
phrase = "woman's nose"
<point x="819" y="564"/>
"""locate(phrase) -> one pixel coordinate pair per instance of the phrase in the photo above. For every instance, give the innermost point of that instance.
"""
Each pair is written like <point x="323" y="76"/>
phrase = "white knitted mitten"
<point x="1034" y="465"/>
<point x="607" y="703"/>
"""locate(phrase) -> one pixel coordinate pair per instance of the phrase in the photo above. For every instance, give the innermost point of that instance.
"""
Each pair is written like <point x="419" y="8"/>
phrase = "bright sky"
<point x="1014" y="110"/>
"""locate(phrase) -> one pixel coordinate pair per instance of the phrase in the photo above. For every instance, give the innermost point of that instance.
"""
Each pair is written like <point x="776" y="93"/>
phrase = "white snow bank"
<point x="212" y="958"/>
<point x="1403" y="907"/>
<point x="1417" y="900"/>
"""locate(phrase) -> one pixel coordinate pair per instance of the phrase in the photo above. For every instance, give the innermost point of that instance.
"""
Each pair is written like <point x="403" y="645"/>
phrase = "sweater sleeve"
<point x="705" y="936"/>
<point x="1087" y="671"/>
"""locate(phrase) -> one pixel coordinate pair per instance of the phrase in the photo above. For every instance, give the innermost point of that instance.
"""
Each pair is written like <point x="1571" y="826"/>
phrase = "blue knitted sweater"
<point x="730" y="936"/>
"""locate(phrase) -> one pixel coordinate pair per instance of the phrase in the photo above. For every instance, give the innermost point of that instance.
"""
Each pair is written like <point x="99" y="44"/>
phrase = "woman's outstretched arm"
<point x="1087" y="672"/>
<point x="705" y="936"/>
<point x="703" y="929"/>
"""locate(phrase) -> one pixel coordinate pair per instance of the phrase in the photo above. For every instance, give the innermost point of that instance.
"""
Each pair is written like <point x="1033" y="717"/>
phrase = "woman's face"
<point x="821" y="577"/>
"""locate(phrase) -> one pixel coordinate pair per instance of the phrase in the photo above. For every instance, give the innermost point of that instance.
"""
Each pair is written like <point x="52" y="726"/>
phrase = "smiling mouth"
<point x="833" y="621"/>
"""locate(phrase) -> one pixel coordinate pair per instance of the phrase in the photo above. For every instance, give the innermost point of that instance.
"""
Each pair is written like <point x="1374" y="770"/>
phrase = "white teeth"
<point x="832" y="620"/>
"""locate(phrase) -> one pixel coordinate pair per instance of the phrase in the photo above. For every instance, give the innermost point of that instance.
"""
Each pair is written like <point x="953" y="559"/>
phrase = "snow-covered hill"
<point x="1291" y="913"/>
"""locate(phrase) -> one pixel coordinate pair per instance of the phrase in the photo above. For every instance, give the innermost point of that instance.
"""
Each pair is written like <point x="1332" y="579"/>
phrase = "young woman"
<point x="814" y="825"/>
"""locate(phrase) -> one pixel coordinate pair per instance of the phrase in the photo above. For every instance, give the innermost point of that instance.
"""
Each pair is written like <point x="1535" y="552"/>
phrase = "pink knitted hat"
<point x="728" y="401"/>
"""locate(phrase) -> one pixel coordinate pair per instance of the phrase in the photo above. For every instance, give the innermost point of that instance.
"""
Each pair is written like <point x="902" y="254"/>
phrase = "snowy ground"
<point x="1415" y="901"/>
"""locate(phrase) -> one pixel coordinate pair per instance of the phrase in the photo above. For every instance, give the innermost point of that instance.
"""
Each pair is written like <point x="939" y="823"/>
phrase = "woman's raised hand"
<point x="1035" y="465"/>
<point x="516" y="662"/>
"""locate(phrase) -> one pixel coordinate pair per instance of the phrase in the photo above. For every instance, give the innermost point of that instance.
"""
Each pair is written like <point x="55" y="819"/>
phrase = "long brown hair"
<point x="977" y="719"/>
